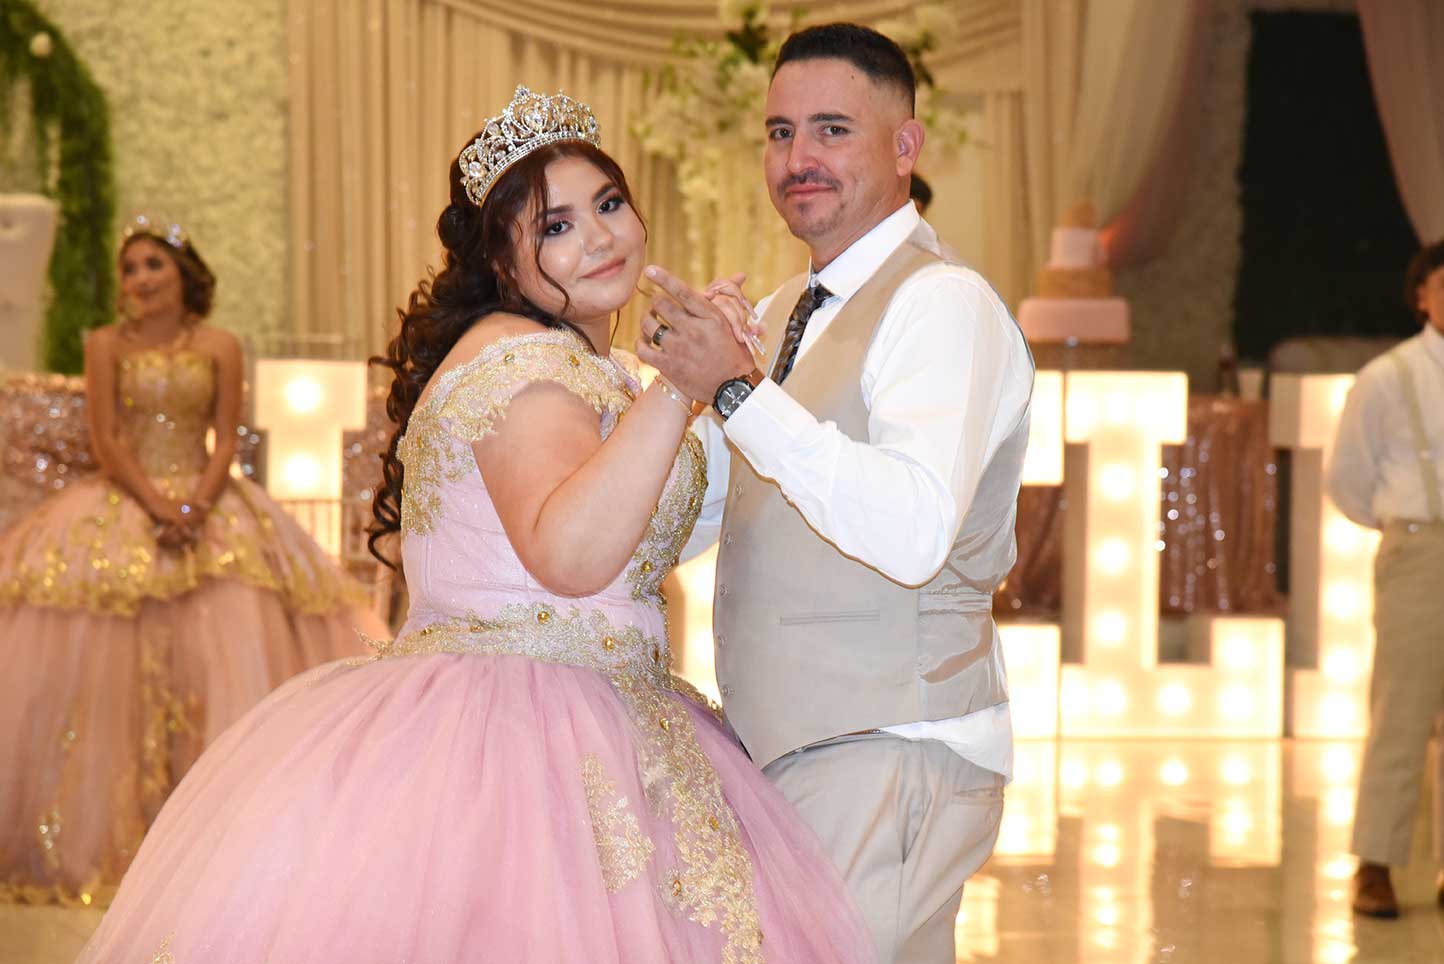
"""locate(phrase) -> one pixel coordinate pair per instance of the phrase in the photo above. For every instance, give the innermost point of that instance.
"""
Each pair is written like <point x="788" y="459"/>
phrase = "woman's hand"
<point x="727" y="295"/>
<point x="177" y="524"/>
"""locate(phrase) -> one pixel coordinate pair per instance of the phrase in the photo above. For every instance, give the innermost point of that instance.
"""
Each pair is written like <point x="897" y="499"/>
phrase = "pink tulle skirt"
<point x="120" y="662"/>
<point x="451" y="808"/>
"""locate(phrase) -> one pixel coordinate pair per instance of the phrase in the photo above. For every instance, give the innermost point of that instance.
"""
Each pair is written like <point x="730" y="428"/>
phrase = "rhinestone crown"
<point x="159" y="228"/>
<point x="530" y="121"/>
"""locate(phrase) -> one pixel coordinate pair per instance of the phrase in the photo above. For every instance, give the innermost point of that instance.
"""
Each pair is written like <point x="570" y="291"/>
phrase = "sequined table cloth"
<point x="1218" y="516"/>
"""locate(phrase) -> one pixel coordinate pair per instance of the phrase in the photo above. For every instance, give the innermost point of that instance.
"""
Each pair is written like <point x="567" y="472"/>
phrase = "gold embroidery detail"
<point x="622" y="848"/>
<point x="713" y="884"/>
<point x="671" y="523"/>
<point x="163" y="953"/>
<point x="468" y="400"/>
<point x="110" y="563"/>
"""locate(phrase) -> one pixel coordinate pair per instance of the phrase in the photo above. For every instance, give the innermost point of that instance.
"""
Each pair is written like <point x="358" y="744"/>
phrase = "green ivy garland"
<point x="71" y="123"/>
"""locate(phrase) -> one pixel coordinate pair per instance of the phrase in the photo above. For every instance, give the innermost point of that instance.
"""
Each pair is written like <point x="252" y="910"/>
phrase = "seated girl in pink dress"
<point x="517" y="777"/>
<point x="144" y="611"/>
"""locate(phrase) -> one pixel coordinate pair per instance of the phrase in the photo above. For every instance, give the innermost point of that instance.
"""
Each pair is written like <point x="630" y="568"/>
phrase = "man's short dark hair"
<point x="1429" y="259"/>
<point x="920" y="191"/>
<point x="869" y="51"/>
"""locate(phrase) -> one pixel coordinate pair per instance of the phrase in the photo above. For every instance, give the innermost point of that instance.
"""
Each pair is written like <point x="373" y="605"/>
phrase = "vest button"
<point x="721" y="641"/>
<point x="727" y="539"/>
<point x="721" y="590"/>
<point x="737" y="490"/>
<point x="726" y="690"/>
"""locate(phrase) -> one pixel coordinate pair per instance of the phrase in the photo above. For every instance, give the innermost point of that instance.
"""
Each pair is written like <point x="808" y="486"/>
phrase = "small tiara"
<point x="530" y="121"/>
<point x="159" y="228"/>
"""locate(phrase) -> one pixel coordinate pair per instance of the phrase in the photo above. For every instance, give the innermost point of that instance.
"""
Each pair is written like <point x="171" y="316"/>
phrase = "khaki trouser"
<point x="907" y="822"/>
<point x="1406" y="693"/>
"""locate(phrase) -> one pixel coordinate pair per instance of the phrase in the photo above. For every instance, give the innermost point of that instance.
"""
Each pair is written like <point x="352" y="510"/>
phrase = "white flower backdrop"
<point x="198" y="100"/>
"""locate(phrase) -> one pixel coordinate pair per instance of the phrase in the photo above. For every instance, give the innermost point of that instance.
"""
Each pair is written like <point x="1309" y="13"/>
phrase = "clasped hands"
<point x="699" y="339"/>
<point x="178" y="524"/>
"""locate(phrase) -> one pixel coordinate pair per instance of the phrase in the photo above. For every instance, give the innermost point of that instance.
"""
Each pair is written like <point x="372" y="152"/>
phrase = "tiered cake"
<point x="1075" y="303"/>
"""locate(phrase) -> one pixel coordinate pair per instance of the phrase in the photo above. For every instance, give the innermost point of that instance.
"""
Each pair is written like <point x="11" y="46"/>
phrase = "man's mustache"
<point x="808" y="177"/>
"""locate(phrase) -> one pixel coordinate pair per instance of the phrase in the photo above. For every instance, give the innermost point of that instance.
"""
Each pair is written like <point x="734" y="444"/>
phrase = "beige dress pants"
<point x="1406" y="692"/>
<point x="907" y="822"/>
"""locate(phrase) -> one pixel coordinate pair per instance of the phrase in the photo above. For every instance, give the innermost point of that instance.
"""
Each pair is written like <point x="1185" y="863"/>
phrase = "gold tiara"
<point x="530" y="121"/>
<point x="159" y="228"/>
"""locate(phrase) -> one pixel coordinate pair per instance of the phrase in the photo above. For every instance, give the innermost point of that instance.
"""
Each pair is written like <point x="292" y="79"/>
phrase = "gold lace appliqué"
<point x="622" y="849"/>
<point x="712" y="883"/>
<point x="471" y="398"/>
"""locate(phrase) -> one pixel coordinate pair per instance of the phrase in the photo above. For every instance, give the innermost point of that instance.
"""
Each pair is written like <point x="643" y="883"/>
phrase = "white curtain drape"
<point x="1102" y="84"/>
<point x="1404" y="41"/>
<point x="385" y="92"/>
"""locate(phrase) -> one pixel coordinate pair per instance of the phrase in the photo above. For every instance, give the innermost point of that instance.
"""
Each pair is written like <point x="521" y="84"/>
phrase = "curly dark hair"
<point x="198" y="283"/>
<point x="1429" y="260"/>
<point x="477" y="279"/>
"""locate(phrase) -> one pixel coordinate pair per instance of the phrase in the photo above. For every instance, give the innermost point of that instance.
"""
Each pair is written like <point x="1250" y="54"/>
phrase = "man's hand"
<point x="690" y="339"/>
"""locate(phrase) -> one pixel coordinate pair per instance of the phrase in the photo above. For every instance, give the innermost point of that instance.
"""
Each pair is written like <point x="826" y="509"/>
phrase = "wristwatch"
<point x="734" y="391"/>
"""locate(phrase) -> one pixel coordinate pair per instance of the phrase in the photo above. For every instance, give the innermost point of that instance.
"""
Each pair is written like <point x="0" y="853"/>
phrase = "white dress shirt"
<point x="1374" y="473"/>
<point x="941" y="398"/>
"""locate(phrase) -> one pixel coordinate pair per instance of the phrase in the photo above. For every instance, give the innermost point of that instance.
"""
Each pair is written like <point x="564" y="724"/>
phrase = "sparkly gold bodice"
<point x="166" y="400"/>
<point x="448" y="519"/>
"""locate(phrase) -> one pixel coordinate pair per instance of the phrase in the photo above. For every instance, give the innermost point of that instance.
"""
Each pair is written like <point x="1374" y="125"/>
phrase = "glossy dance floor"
<point x="1161" y="852"/>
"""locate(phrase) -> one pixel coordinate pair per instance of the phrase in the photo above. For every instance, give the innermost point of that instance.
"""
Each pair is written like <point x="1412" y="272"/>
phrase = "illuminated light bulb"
<point x="302" y="472"/>
<point x="1117" y="482"/>
<point x="1338" y="765"/>
<point x="1340" y="868"/>
<point x="1110" y="698"/>
<point x="1339" y="806"/>
<point x="1337" y="711"/>
<point x="304" y="395"/>
<point x="1173" y="773"/>
<point x="1105" y="895"/>
<point x="1235" y="770"/>
<point x="1342" y="536"/>
<point x="1236" y="821"/>
<point x="1237" y="652"/>
<point x="1341" y="665"/>
<point x="1112" y="555"/>
<point x="1107" y="915"/>
<point x="1109" y="832"/>
<point x="1106" y="855"/>
<point x="1110" y="627"/>
<point x="1074" y="774"/>
<point x="1336" y="952"/>
<point x="1236" y="702"/>
<point x="1175" y="699"/>
<point x="1342" y="600"/>
<point x="1110" y="773"/>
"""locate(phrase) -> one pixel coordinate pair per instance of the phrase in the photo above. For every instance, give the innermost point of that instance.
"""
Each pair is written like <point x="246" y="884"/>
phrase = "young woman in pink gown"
<point x="144" y="611"/>
<point x="516" y="777"/>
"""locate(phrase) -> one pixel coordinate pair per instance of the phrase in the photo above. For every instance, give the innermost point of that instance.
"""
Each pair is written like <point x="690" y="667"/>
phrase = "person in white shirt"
<point x="870" y="499"/>
<point x="1385" y="473"/>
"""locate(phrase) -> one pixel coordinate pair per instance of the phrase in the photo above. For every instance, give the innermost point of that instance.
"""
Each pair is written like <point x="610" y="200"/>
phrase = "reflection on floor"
<point x="1145" y="851"/>
<point x="1173" y="852"/>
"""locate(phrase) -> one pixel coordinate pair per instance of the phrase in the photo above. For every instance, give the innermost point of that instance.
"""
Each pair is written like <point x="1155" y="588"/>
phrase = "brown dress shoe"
<point x="1373" y="893"/>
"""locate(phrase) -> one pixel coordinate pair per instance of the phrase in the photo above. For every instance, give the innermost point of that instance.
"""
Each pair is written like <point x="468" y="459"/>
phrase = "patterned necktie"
<point x="810" y="300"/>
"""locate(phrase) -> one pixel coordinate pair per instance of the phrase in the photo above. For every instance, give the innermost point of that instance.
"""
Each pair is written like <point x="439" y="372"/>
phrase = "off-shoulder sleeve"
<point x="478" y="397"/>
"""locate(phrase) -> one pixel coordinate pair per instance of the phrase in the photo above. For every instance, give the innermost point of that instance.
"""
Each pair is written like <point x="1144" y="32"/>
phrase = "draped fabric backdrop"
<point x="1405" y="44"/>
<point x="384" y="93"/>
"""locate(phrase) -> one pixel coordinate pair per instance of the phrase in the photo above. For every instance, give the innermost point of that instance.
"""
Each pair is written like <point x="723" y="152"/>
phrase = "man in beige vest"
<point x="870" y="497"/>
<point x="1386" y="472"/>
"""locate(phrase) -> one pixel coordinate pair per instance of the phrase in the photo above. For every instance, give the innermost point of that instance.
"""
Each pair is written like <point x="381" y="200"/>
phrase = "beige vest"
<point x="812" y="644"/>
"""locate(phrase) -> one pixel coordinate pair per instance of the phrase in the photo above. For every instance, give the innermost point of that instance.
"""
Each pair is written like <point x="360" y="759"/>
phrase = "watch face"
<point x="731" y="395"/>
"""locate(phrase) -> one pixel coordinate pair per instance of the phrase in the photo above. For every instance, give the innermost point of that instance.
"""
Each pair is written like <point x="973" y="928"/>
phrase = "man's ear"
<point x="908" y="142"/>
